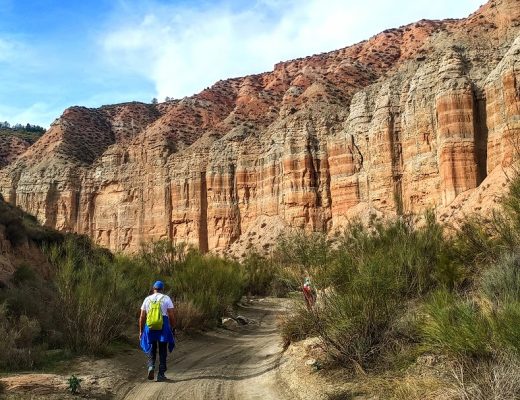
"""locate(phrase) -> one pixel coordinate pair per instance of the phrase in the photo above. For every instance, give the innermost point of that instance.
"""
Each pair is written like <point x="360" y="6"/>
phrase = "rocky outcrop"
<point x="413" y="118"/>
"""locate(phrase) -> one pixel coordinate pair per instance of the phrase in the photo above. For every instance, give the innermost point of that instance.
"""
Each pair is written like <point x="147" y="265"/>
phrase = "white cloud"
<point x="184" y="49"/>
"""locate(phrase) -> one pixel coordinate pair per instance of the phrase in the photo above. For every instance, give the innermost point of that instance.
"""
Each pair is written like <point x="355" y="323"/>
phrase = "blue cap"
<point x="158" y="285"/>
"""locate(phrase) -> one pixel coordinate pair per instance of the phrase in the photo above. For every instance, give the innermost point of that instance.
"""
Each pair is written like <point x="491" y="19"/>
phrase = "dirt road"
<point x="224" y="364"/>
<point x="243" y="363"/>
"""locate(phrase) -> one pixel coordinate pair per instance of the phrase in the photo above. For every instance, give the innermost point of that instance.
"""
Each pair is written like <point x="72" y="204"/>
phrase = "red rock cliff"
<point x="413" y="118"/>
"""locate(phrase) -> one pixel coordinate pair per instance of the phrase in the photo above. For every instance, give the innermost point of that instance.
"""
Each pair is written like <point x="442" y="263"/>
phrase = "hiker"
<point x="157" y="329"/>
<point x="309" y="293"/>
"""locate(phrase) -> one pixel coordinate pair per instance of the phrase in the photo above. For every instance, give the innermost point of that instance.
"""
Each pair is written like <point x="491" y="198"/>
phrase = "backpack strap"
<point x="159" y="299"/>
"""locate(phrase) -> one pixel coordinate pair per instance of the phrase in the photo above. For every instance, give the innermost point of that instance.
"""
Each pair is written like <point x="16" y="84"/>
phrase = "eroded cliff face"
<point x="414" y="118"/>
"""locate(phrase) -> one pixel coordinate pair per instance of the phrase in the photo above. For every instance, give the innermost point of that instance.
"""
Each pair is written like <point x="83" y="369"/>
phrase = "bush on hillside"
<point x="501" y="283"/>
<point x="20" y="227"/>
<point x="93" y="297"/>
<point x="302" y="253"/>
<point x="484" y="379"/>
<point x="455" y="326"/>
<point x="500" y="286"/>
<point x="297" y="325"/>
<point x="211" y="283"/>
<point x="18" y="348"/>
<point x="260" y="274"/>
<point x="164" y="256"/>
<point x="375" y="274"/>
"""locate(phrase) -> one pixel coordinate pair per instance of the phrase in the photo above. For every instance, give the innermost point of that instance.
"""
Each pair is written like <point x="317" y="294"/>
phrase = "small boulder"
<point x="229" y="323"/>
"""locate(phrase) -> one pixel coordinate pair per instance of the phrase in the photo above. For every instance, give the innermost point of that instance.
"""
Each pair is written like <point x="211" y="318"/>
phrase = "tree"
<point x="154" y="100"/>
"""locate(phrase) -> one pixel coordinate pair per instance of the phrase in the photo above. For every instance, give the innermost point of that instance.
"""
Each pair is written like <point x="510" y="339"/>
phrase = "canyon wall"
<point x="414" y="118"/>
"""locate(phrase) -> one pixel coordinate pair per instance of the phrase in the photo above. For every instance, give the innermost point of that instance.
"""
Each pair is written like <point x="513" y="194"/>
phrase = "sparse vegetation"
<point x="397" y="291"/>
<point x="74" y="384"/>
<point x="388" y="294"/>
<point x="19" y="347"/>
<point x="91" y="296"/>
<point x="28" y="132"/>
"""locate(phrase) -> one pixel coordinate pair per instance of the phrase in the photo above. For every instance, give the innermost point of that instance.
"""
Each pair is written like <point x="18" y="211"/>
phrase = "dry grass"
<point x="416" y="388"/>
<point x="188" y="316"/>
<point x="494" y="379"/>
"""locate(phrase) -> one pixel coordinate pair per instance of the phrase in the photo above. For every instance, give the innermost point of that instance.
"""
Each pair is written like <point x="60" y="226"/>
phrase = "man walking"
<point x="156" y="329"/>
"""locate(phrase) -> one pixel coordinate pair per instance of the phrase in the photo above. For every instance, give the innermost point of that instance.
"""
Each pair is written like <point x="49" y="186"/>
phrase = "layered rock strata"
<point x="414" y="118"/>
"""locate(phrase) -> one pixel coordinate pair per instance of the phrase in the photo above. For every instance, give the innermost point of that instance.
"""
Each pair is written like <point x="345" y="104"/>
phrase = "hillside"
<point x="14" y="141"/>
<point x="416" y="117"/>
<point x="21" y="240"/>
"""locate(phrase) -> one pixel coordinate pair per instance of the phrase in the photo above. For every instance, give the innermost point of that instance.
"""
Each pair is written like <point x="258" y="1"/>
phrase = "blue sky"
<point x="54" y="54"/>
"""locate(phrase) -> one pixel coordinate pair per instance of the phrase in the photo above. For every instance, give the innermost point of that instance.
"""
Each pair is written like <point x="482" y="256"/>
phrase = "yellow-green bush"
<point x="455" y="326"/>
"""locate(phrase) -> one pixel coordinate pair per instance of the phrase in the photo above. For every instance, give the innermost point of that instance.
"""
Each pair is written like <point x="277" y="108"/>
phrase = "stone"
<point x="230" y="323"/>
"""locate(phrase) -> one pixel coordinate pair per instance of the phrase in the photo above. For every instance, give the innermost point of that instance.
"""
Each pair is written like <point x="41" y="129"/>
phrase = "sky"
<point x="55" y="53"/>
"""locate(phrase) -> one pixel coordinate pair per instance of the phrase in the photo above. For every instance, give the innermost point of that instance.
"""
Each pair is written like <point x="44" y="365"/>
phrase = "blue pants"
<point x="163" y="353"/>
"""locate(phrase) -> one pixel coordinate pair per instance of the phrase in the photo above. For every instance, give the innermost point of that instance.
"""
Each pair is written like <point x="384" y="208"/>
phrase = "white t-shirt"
<point x="166" y="302"/>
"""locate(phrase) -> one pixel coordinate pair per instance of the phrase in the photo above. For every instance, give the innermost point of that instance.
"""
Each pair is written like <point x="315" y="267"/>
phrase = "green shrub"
<point x="297" y="325"/>
<point x="303" y="251"/>
<point x="353" y="324"/>
<point x="27" y="293"/>
<point x="92" y="297"/>
<point x="18" y="347"/>
<point x="266" y="277"/>
<point x="484" y="240"/>
<point x="455" y="326"/>
<point x="500" y="282"/>
<point x="506" y="326"/>
<point x="74" y="384"/>
<point x="43" y="235"/>
<point x="421" y="257"/>
<point x="260" y="274"/>
<point x="211" y="283"/>
<point x="204" y="286"/>
<point x="375" y="274"/>
<point x="8" y="214"/>
<point x="500" y="285"/>
<point x="474" y="242"/>
<point x="23" y="274"/>
<point x="163" y="256"/>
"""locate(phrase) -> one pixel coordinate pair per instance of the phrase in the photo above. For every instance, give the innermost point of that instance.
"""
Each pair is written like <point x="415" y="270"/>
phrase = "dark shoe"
<point x="151" y="373"/>
<point x="161" y="377"/>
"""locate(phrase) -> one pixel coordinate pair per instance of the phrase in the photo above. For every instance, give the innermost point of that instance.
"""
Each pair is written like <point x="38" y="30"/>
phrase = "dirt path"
<point x="224" y="364"/>
<point x="243" y="363"/>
